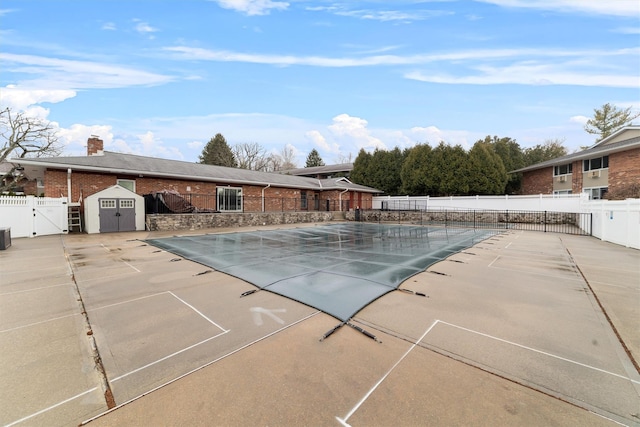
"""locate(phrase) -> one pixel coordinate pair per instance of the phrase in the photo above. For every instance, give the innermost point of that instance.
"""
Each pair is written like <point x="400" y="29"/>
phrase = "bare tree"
<point x="252" y="156"/>
<point x="344" y="159"/>
<point x="288" y="156"/>
<point x="24" y="136"/>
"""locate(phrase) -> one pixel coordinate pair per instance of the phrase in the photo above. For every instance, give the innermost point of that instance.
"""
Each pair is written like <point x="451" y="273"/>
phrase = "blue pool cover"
<point x="336" y="268"/>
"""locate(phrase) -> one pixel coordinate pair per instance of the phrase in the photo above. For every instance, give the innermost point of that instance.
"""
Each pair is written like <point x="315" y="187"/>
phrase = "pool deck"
<point x="525" y="328"/>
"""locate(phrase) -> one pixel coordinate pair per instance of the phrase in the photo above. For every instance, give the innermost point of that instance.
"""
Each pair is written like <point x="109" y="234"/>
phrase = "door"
<point x="117" y="215"/>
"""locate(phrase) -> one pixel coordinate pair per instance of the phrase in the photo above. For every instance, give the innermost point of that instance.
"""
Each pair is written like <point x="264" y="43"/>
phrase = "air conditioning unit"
<point x="562" y="178"/>
<point x="595" y="174"/>
<point x="5" y="238"/>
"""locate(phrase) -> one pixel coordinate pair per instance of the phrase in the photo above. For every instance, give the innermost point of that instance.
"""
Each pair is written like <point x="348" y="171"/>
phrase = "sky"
<point x="161" y="78"/>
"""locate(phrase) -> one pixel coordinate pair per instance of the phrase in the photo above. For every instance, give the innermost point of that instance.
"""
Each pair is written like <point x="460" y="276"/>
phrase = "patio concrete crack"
<point x="95" y="353"/>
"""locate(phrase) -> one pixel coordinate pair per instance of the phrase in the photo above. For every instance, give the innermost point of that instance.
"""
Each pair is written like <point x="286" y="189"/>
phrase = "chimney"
<point x="95" y="146"/>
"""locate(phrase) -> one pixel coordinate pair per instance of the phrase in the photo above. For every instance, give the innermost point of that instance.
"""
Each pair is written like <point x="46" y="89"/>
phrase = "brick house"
<point x="610" y="166"/>
<point x="216" y="188"/>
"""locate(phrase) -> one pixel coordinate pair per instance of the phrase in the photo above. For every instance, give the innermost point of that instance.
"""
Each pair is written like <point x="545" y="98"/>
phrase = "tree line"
<point x="446" y="170"/>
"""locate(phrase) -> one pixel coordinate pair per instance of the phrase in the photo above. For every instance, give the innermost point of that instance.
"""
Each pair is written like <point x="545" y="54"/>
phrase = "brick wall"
<point x="55" y="183"/>
<point x="539" y="181"/>
<point x="577" y="177"/>
<point x="624" y="169"/>
<point x="203" y="194"/>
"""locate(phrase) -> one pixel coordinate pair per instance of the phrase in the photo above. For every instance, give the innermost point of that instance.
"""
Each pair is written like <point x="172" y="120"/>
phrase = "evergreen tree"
<point x="415" y="170"/>
<point x="217" y="152"/>
<point x="608" y="119"/>
<point x="360" y="171"/>
<point x="449" y="174"/>
<point x="384" y="170"/>
<point x="512" y="158"/>
<point x="314" y="159"/>
<point x="487" y="175"/>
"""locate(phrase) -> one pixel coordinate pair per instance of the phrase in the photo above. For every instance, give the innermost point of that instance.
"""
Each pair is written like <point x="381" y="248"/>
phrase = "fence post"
<point x="545" y="221"/>
<point x="32" y="223"/>
<point x="474" y="219"/>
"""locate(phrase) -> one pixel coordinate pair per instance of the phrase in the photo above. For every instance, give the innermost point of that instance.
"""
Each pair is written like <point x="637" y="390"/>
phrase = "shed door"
<point x="117" y="215"/>
<point x="127" y="217"/>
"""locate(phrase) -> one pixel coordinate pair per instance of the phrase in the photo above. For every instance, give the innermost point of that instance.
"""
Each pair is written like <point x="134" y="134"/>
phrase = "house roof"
<point x="614" y="136"/>
<point x="129" y="164"/>
<point x="321" y="170"/>
<point x="602" y="148"/>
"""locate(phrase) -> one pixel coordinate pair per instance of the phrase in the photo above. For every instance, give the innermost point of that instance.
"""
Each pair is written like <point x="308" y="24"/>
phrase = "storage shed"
<point x="114" y="209"/>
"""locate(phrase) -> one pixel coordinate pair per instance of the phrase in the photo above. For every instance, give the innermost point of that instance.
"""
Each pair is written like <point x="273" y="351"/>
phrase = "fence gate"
<point x="117" y="215"/>
<point x="50" y="216"/>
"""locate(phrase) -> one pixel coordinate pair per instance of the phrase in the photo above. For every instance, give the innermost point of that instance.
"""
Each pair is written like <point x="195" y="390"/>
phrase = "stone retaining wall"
<point x="469" y="217"/>
<point x="168" y="222"/>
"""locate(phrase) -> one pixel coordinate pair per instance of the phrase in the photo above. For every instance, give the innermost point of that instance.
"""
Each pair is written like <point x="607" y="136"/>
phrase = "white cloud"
<point x="194" y="53"/>
<point x="74" y="138"/>
<point x="627" y="30"/>
<point x="145" y="29"/>
<point x="393" y="15"/>
<point x="71" y="74"/>
<point x="532" y="73"/>
<point x="605" y="68"/>
<point x="253" y="7"/>
<point x="579" y="119"/>
<point x="319" y="140"/>
<point x="195" y="145"/>
<point x="380" y="15"/>
<point x="109" y="26"/>
<point x="629" y="8"/>
<point x="19" y="99"/>
<point x="355" y="129"/>
<point x="433" y="136"/>
<point x="149" y="145"/>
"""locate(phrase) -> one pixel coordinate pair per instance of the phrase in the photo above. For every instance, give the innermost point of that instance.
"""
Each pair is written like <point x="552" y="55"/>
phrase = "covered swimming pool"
<point x="336" y="268"/>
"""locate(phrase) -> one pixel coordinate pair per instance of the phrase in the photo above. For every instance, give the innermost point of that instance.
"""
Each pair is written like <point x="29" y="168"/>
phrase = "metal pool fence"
<point x="546" y="221"/>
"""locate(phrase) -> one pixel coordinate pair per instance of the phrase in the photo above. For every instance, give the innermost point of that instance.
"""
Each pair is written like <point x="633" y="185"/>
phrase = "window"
<point x="108" y="204"/>
<point x="126" y="203"/>
<point x="561" y="192"/>
<point x="597" y="163"/>
<point x="303" y="200"/>
<point x="595" y="193"/>
<point x="229" y="199"/>
<point x="563" y="169"/>
<point x="129" y="184"/>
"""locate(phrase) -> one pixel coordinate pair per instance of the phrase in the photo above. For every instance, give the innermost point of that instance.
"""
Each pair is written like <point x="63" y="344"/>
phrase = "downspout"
<point x="263" y="196"/>
<point x="69" y="185"/>
<point x="340" y="198"/>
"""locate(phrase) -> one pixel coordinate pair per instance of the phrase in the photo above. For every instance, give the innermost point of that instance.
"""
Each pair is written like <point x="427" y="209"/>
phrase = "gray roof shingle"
<point x="111" y="162"/>
<point x="597" y="150"/>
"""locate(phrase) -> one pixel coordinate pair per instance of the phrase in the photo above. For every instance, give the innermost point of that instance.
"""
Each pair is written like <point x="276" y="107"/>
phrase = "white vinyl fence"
<point x="538" y="203"/>
<point x="30" y="216"/>
<point x="616" y="221"/>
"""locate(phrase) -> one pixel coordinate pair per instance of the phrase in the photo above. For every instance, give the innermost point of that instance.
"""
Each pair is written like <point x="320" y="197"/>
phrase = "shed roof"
<point x="119" y="163"/>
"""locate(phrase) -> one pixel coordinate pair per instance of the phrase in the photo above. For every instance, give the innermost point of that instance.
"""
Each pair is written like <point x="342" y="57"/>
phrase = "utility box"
<point x="5" y="238"/>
